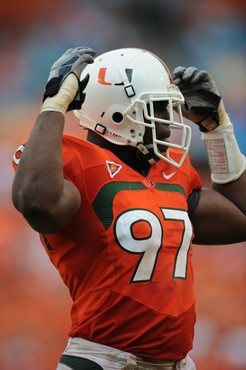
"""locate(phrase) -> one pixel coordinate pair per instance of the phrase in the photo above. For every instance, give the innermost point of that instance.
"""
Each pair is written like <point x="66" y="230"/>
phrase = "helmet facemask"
<point x="144" y="108"/>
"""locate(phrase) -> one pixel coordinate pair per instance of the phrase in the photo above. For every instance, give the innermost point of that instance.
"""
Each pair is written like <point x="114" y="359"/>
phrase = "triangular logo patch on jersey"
<point x="113" y="168"/>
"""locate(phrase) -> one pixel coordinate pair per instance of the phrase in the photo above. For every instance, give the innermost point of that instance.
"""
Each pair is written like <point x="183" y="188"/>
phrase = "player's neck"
<point x="126" y="153"/>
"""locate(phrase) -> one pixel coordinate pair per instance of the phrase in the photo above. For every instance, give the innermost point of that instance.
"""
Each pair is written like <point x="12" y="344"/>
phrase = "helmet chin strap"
<point x="146" y="152"/>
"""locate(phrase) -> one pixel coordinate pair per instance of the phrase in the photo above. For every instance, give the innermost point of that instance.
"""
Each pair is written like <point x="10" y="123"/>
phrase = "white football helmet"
<point x="119" y="101"/>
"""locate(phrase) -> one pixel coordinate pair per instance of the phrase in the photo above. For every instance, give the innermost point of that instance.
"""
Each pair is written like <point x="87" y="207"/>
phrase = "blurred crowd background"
<point x="209" y="34"/>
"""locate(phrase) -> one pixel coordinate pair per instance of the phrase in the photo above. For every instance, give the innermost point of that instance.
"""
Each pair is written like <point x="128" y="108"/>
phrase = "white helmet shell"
<point x="119" y="97"/>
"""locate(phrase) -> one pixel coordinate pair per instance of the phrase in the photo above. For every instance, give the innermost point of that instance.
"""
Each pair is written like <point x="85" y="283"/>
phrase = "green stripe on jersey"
<point x="103" y="203"/>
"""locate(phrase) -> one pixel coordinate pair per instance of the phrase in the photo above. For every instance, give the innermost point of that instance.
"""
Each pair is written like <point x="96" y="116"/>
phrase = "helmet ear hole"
<point x="117" y="117"/>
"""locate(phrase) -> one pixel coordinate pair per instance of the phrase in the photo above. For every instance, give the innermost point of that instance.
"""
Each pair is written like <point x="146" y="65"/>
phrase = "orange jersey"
<point x="126" y="254"/>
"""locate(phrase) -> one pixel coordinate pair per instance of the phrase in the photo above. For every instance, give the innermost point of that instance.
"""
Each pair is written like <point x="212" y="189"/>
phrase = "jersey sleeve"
<point x="193" y="201"/>
<point x="196" y="182"/>
<point x="17" y="155"/>
<point x="189" y="177"/>
<point x="193" y="179"/>
<point x="71" y="165"/>
<point x="193" y="185"/>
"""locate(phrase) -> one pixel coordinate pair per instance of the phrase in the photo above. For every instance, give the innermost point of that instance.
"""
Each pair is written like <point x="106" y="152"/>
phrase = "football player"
<point x="117" y="213"/>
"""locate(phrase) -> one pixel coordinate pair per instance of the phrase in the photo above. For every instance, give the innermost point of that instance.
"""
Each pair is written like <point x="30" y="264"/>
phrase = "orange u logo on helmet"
<point x="102" y="73"/>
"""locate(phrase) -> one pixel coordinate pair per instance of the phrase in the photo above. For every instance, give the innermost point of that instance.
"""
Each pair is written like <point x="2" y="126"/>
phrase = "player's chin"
<point x="162" y="148"/>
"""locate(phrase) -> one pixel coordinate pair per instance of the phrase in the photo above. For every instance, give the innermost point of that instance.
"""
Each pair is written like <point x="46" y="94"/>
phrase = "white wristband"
<point x="66" y="94"/>
<point x="225" y="160"/>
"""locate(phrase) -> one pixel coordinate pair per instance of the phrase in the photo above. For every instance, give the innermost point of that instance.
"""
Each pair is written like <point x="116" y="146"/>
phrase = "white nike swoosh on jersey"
<point x="167" y="177"/>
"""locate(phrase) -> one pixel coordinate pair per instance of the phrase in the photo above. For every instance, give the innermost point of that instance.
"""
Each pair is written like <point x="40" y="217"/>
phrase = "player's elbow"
<point x="34" y="207"/>
<point x="28" y="199"/>
<point x="46" y="212"/>
<point x="46" y="209"/>
<point x="41" y="218"/>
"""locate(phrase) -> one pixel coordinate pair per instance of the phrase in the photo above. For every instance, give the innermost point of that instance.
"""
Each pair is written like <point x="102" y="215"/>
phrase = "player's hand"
<point x="202" y="98"/>
<point x="72" y="61"/>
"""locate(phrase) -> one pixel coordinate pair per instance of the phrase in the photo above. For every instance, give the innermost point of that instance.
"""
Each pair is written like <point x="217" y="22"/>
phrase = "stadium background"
<point x="210" y="34"/>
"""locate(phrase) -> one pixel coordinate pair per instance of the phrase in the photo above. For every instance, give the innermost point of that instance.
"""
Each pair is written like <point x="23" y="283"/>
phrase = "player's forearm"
<point x="39" y="182"/>
<point x="234" y="191"/>
<point x="227" y="163"/>
<point x="40" y="192"/>
<point x="205" y="108"/>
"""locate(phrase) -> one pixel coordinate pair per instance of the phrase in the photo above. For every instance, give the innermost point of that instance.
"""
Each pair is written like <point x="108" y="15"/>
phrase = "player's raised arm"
<point x="40" y="192"/>
<point x="220" y="216"/>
